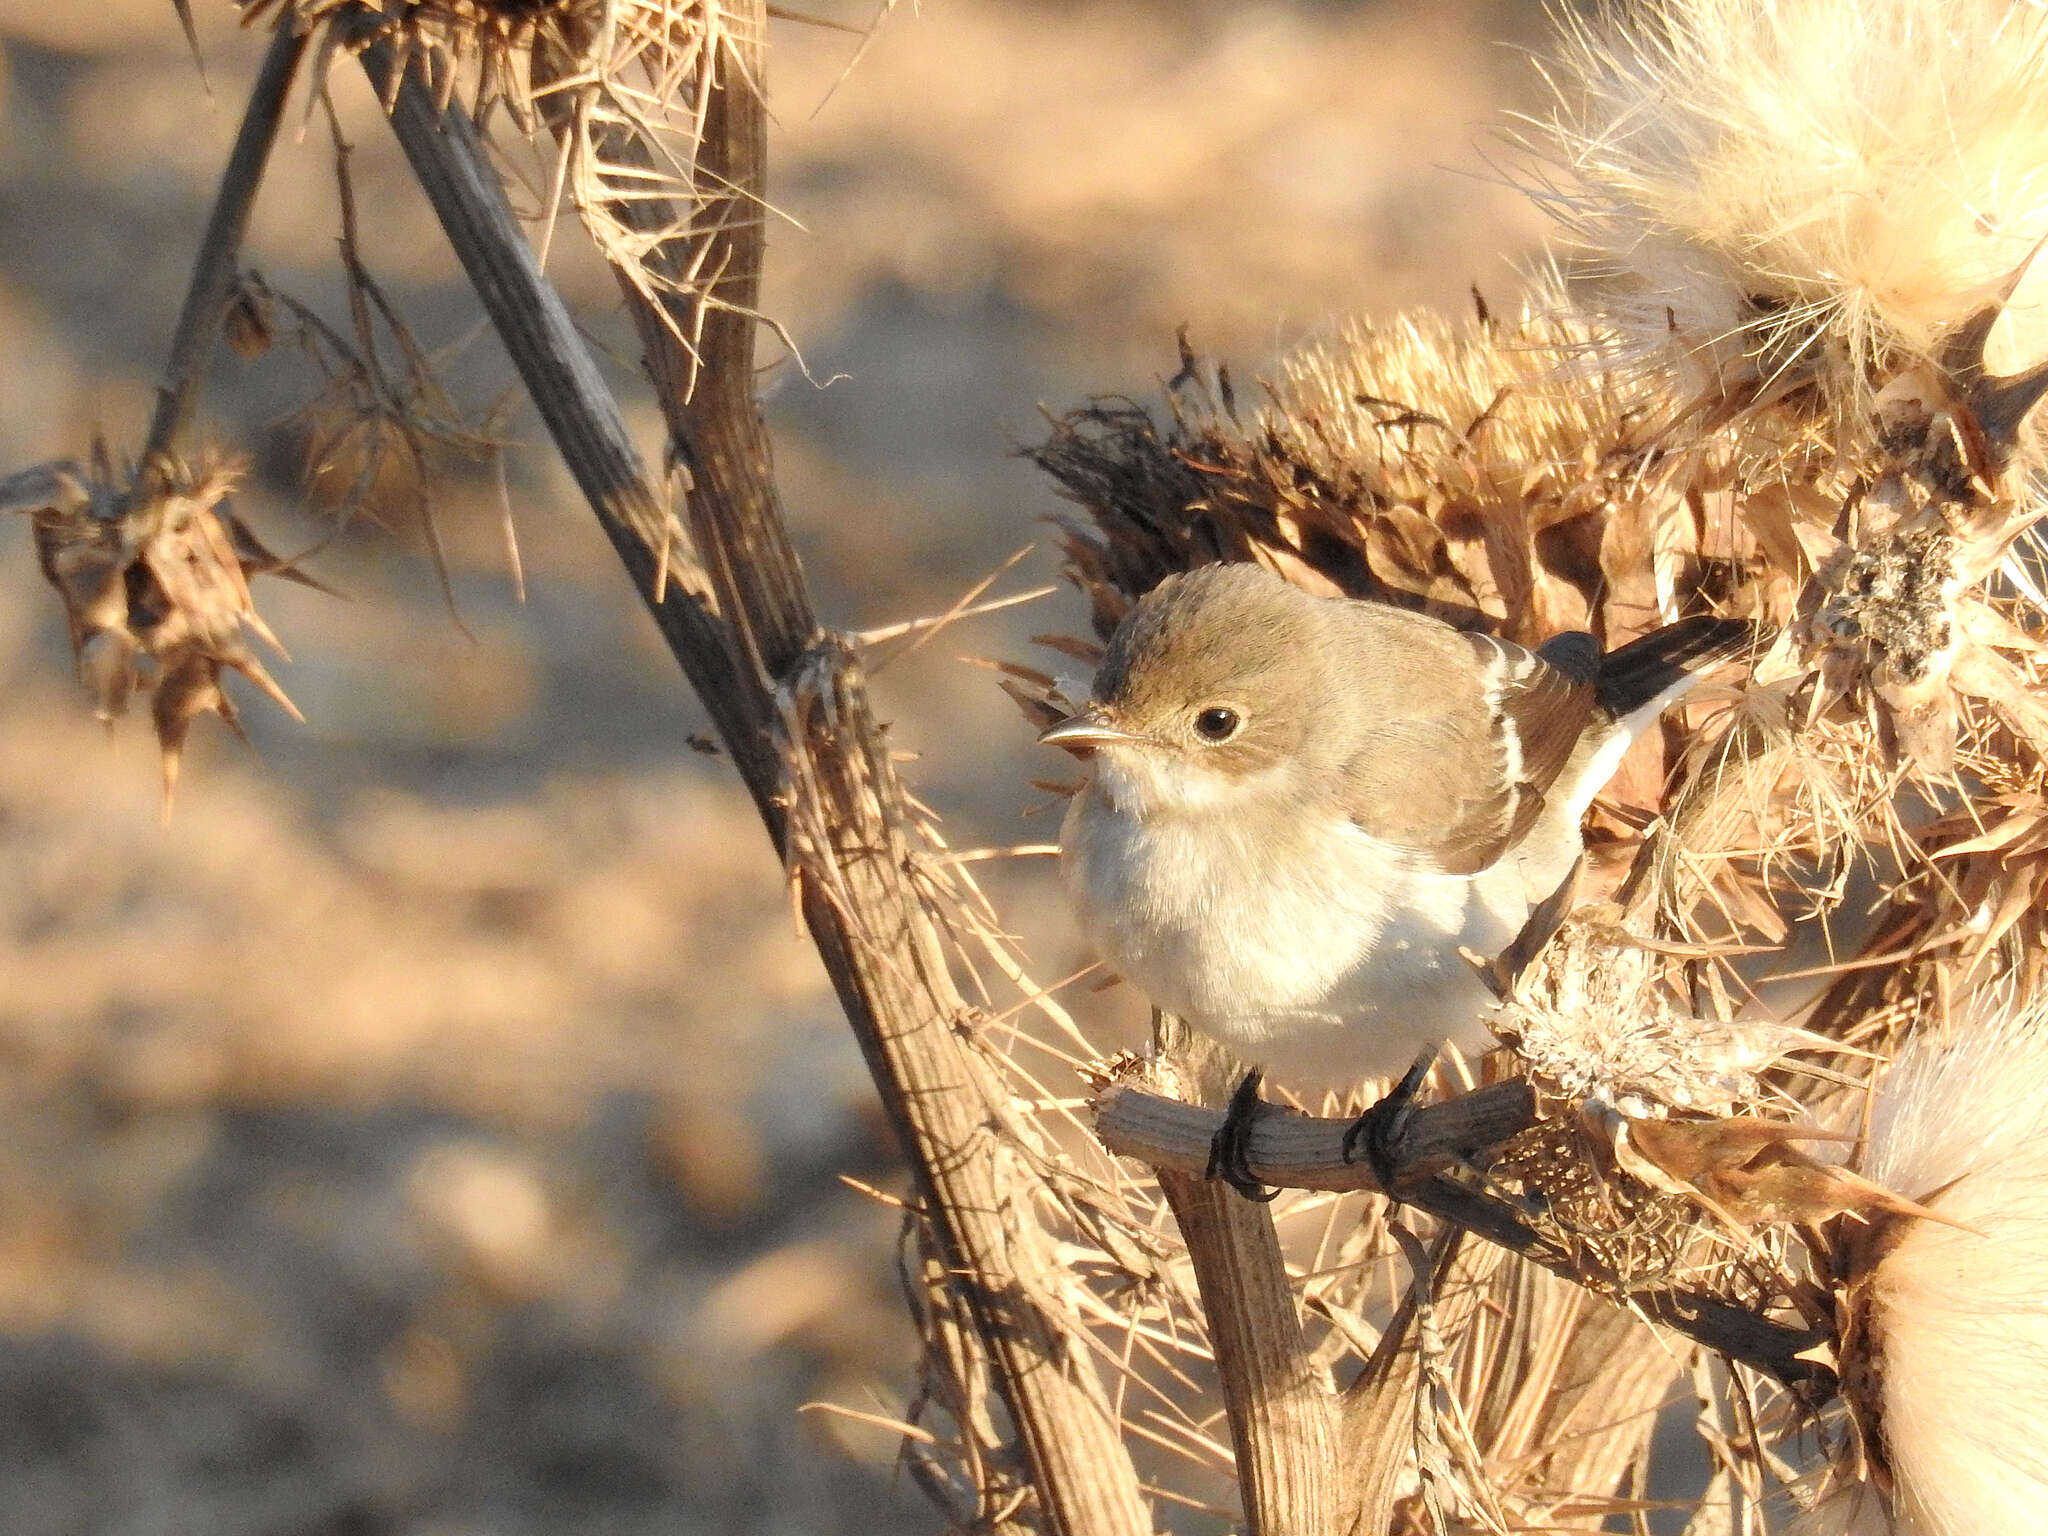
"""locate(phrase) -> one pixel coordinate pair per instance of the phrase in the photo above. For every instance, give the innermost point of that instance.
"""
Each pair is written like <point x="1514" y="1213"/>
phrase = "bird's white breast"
<point x="1297" y="940"/>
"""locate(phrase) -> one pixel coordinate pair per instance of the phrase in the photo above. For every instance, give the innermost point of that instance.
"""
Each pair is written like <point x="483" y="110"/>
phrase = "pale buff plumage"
<point x="1392" y="800"/>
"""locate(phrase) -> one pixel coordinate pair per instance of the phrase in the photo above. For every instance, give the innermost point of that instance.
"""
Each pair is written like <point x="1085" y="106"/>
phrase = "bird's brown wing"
<point x="1454" y="773"/>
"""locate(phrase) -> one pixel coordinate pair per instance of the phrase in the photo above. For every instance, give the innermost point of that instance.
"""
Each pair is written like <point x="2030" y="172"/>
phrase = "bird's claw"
<point x="1379" y="1131"/>
<point x="1230" y="1148"/>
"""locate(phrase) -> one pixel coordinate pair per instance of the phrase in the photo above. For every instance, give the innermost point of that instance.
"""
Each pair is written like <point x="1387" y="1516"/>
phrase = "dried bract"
<point x="1749" y="1171"/>
<point x="153" y="571"/>
<point x="1599" y="1016"/>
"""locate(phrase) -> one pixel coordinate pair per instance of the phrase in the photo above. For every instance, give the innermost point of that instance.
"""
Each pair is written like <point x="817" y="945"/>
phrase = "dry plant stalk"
<point x="791" y="703"/>
<point x="151" y="563"/>
<point x="788" y="698"/>
<point x="1847" y="469"/>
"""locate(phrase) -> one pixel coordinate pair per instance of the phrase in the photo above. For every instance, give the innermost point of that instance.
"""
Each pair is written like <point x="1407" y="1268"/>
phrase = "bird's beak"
<point x="1083" y="733"/>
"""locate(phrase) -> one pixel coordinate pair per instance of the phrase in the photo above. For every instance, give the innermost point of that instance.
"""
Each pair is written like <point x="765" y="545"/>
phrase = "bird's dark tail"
<point x="1651" y="671"/>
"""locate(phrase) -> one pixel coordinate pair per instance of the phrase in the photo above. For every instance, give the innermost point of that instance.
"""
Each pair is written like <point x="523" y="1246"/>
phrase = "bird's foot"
<point x="1377" y="1133"/>
<point x="1230" y="1148"/>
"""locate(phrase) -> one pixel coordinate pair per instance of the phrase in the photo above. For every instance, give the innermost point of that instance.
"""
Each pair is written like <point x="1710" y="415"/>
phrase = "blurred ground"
<point x="435" y="1128"/>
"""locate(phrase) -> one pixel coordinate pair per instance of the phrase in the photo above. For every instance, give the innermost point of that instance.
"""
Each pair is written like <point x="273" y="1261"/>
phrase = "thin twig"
<point x="219" y="261"/>
<point x="1296" y="1151"/>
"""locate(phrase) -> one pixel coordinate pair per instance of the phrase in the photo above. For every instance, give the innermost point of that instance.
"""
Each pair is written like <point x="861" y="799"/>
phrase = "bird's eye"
<point x="1216" y="723"/>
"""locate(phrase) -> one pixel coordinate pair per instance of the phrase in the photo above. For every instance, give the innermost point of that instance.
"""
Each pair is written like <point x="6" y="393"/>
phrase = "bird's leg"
<point x="1501" y="973"/>
<point x="1379" y="1130"/>
<point x="1230" y="1148"/>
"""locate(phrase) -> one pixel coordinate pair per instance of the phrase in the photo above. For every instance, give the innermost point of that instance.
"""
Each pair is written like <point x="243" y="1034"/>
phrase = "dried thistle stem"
<point x="1283" y="1414"/>
<point x="219" y="261"/>
<point x="876" y="936"/>
<point x="791" y="705"/>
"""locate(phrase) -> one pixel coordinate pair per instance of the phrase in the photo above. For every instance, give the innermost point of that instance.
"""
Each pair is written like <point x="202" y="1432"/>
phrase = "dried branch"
<point x="791" y="705"/>
<point x="1296" y="1151"/>
<point x="214" y="272"/>
<point x="1283" y="1414"/>
<point x="874" y="933"/>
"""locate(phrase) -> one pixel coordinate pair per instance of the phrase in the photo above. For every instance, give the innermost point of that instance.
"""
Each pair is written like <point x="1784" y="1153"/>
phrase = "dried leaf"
<point x="1750" y="1171"/>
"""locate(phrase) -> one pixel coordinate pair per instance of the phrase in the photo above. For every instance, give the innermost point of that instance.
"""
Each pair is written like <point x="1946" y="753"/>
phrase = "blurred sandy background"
<point x="437" y="1126"/>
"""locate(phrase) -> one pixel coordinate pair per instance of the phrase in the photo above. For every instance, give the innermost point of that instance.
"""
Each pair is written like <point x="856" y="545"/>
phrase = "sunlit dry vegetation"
<point x="1691" y="1191"/>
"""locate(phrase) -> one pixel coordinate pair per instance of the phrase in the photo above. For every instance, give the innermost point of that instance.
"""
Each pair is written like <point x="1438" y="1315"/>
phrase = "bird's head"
<point x="1213" y="690"/>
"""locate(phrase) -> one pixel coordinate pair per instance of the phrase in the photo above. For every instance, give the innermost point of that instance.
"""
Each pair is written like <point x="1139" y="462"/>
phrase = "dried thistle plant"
<point x="621" y="88"/>
<point x="1777" y="406"/>
<point x="150" y="561"/>
<point x="1760" y="404"/>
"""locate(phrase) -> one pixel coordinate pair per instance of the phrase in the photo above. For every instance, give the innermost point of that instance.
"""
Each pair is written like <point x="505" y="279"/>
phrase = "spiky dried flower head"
<point x="1482" y="477"/>
<point x="1912" y="655"/>
<point x="1453" y="464"/>
<point x="1935" y="512"/>
<point x="1811" y="193"/>
<point x="153" y="571"/>
<point x="1668" y="1100"/>
<point x="622" y="89"/>
<point x="1945" y="1343"/>
<point x="1599" y="1015"/>
<point x="445" y="36"/>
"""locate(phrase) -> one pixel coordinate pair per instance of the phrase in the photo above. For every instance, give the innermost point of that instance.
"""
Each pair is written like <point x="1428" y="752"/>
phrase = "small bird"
<point x="1303" y="812"/>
